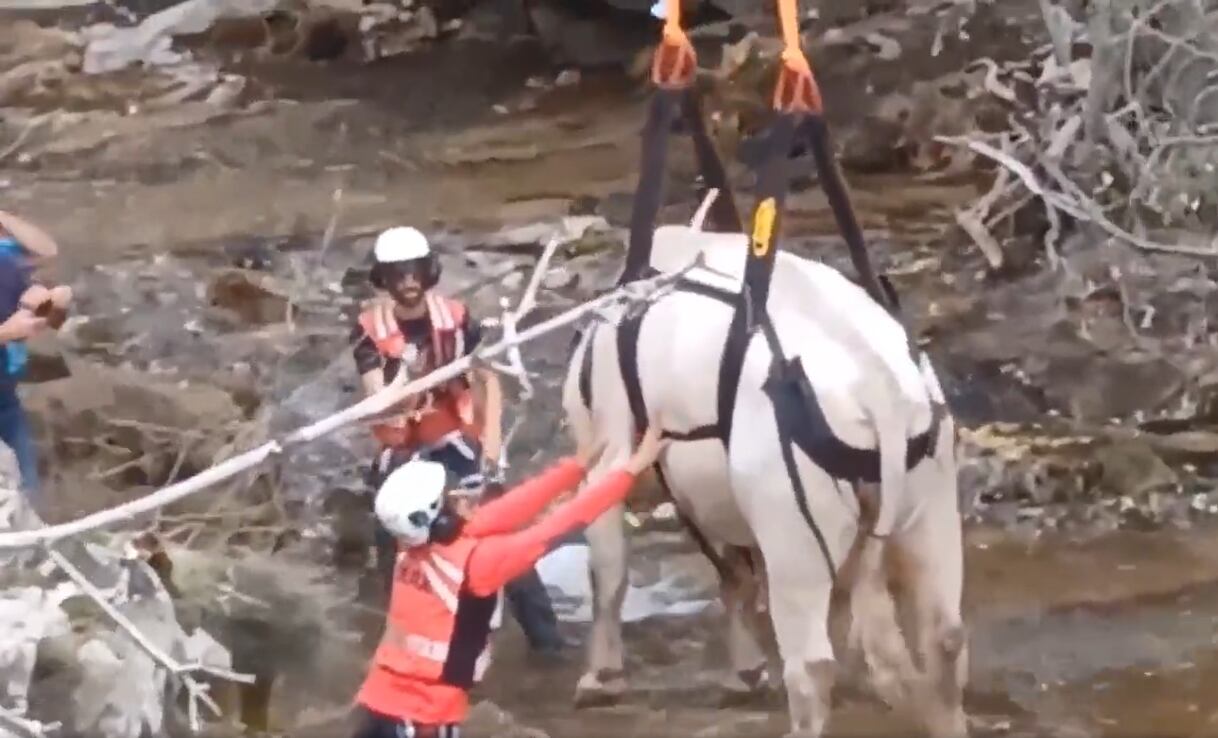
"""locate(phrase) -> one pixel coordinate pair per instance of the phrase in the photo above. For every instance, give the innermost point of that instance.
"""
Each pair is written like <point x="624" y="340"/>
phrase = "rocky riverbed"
<point x="216" y="212"/>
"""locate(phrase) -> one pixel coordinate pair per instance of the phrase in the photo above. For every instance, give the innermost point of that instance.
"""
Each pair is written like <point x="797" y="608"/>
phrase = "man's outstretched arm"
<point x="499" y="559"/>
<point x="522" y="503"/>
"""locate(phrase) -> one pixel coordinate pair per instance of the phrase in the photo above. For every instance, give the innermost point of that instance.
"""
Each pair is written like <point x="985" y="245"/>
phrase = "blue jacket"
<point x="14" y="281"/>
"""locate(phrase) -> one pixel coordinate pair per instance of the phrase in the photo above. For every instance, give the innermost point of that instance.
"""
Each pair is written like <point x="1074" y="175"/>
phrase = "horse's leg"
<point x="606" y="418"/>
<point x="798" y="576"/>
<point x="929" y="568"/>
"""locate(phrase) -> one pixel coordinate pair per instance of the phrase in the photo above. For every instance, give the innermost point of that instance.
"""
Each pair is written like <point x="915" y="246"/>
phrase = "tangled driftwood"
<point x="1119" y="130"/>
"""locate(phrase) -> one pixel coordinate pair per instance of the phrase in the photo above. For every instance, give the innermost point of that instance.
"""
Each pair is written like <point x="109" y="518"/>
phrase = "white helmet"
<point x="410" y="499"/>
<point x="401" y="243"/>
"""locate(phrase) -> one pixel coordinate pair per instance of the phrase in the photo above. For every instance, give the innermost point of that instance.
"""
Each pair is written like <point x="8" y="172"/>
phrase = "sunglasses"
<point x="397" y="270"/>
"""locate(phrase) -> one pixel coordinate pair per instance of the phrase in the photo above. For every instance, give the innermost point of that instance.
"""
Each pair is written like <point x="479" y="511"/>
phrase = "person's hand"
<point x="35" y="297"/>
<point x="648" y="450"/>
<point x="61" y="296"/>
<point x="22" y="325"/>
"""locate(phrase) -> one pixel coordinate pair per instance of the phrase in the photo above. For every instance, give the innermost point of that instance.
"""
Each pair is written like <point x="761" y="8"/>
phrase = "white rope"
<point x="384" y="400"/>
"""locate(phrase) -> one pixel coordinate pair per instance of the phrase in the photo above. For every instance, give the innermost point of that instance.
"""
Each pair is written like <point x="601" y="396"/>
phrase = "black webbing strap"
<point x="782" y="420"/>
<point x="666" y="105"/>
<point x="628" y="364"/>
<point x="723" y="217"/>
<point x="814" y="131"/>
<point x="772" y="185"/>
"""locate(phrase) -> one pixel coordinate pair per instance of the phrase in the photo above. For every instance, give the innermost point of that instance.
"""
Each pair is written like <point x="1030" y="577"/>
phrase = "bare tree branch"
<point x="197" y="691"/>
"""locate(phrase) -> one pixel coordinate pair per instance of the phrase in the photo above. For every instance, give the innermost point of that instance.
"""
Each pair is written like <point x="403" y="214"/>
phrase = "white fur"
<point x="872" y="394"/>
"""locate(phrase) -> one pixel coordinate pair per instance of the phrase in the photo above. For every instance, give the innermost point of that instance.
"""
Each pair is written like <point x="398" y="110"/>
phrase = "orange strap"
<point x="796" y="91"/>
<point x="672" y="67"/>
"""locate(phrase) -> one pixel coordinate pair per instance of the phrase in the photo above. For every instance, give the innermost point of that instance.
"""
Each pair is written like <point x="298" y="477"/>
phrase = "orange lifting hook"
<point x="796" y="90"/>
<point x="674" y="63"/>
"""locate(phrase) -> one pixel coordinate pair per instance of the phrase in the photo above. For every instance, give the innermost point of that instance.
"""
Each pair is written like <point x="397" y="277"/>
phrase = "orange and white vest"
<point x="435" y="630"/>
<point x="443" y="410"/>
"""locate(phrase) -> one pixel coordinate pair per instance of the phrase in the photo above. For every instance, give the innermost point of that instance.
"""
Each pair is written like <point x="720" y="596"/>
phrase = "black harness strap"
<point x="815" y="132"/>
<point x="784" y="414"/>
<point x="795" y="399"/>
<point x="585" y="368"/>
<point x="471" y="631"/>
<point x="628" y="365"/>
<point x="723" y="215"/>
<point x="649" y="192"/>
<point x="666" y="105"/>
<point x="772" y="185"/>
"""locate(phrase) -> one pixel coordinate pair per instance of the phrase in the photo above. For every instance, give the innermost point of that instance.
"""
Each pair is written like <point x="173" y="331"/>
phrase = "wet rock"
<point x="109" y="48"/>
<point x="1188" y="446"/>
<point x="33" y="58"/>
<point x="1132" y="469"/>
<point x="252" y="298"/>
<point x="679" y="584"/>
<point x="1099" y="388"/>
<point x="567" y="78"/>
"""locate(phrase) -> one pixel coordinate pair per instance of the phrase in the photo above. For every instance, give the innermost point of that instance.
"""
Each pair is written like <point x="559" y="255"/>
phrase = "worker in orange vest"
<point x="414" y="328"/>
<point x="448" y="575"/>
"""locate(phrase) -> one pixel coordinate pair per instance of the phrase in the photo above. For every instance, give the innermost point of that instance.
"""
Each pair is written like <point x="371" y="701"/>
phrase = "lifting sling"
<point x="799" y="120"/>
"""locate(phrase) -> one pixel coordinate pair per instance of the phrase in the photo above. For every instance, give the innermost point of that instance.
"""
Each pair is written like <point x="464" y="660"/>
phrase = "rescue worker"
<point x="26" y="309"/>
<point x="417" y="330"/>
<point x="447" y="579"/>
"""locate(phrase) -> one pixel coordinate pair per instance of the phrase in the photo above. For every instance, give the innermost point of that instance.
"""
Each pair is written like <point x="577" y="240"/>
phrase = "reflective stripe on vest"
<point x="434" y="651"/>
<point x="448" y="343"/>
<point x="423" y="613"/>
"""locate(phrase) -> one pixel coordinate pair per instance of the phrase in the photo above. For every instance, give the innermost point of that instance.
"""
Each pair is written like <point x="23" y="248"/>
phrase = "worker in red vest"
<point x="414" y="328"/>
<point x="417" y="329"/>
<point x="449" y="572"/>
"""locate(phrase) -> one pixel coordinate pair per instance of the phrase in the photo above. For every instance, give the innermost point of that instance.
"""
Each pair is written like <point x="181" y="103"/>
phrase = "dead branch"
<point x="511" y="319"/>
<point x="183" y="672"/>
<point x="1086" y="210"/>
<point x="1120" y="139"/>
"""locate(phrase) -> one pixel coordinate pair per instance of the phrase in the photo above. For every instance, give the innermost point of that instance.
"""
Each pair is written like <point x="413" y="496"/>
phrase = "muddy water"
<point x="1107" y="637"/>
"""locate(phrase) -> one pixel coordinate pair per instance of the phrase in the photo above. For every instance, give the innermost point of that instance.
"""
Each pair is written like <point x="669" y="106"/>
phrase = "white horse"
<point x="824" y="384"/>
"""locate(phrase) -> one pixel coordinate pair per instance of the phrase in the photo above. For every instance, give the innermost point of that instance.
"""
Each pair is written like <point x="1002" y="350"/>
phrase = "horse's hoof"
<point x="595" y="691"/>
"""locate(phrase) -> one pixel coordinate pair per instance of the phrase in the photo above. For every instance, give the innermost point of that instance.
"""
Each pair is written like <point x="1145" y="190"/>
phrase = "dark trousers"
<point x="526" y="595"/>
